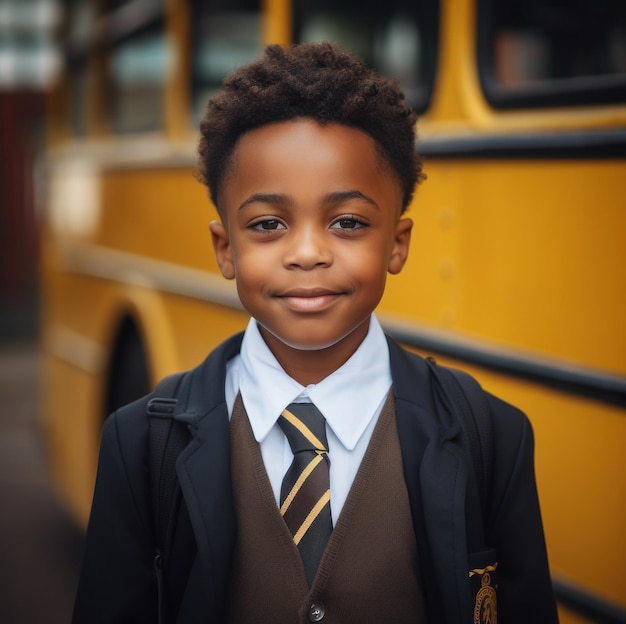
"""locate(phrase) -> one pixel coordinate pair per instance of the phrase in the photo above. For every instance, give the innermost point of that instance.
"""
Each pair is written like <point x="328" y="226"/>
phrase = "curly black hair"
<point x="317" y="80"/>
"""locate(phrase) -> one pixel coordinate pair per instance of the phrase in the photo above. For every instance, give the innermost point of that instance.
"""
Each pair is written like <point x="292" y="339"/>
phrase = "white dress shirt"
<point x="351" y="400"/>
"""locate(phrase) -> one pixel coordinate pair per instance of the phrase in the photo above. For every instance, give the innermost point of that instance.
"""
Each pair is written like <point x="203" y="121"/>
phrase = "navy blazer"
<point x="117" y="585"/>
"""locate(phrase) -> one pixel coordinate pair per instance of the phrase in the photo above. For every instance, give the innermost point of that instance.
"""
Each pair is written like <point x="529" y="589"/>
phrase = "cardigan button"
<point x="317" y="612"/>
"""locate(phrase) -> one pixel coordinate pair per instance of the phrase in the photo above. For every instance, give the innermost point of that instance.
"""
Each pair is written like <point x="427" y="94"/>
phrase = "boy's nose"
<point x="308" y="249"/>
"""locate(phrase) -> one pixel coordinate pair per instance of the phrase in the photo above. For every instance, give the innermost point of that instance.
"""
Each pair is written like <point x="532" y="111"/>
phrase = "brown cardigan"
<point x="369" y="572"/>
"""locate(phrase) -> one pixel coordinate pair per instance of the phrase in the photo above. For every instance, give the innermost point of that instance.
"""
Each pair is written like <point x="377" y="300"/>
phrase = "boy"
<point x="324" y="479"/>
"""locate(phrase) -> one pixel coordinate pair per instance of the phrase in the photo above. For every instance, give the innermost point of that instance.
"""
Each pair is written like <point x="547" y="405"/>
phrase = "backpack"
<point x="462" y="394"/>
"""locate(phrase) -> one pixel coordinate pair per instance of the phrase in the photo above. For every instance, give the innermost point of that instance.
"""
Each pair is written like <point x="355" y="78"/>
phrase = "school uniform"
<point x="237" y="533"/>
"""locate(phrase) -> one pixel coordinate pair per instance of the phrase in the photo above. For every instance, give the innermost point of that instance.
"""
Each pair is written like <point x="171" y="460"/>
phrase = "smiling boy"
<point x="325" y="480"/>
<point x="311" y="228"/>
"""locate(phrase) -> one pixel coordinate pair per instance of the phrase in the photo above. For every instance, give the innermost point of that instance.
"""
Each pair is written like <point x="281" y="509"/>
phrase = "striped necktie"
<point x="305" y="492"/>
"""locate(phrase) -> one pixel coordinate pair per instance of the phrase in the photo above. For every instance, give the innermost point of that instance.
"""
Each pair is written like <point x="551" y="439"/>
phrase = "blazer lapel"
<point x="204" y="474"/>
<point x="436" y="478"/>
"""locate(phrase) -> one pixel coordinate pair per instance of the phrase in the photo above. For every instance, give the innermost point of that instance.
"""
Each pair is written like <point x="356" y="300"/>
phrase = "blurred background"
<point x="516" y="274"/>
<point x="40" y="543"/>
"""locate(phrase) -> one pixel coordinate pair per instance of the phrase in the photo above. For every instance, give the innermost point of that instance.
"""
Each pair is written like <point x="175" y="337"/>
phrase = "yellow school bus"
<point x="517" y="268"/>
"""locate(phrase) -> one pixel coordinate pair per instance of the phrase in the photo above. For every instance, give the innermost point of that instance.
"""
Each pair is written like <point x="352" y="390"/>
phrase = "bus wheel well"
<point x="128" y="375"/>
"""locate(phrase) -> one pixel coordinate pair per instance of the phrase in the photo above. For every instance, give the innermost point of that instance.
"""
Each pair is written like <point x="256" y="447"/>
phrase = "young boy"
<point x="325" y="480"/>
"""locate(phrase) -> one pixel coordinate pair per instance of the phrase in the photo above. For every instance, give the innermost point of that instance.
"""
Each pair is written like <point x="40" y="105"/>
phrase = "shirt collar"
<point x="348" y="398"/>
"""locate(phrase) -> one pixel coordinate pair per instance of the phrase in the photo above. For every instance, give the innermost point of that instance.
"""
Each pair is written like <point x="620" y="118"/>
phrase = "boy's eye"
<point x="268" y="225"/>
<point x="347" y="223"/>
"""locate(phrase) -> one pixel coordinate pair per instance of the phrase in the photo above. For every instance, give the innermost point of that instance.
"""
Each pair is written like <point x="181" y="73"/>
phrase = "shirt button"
<point x="316" y="612"/>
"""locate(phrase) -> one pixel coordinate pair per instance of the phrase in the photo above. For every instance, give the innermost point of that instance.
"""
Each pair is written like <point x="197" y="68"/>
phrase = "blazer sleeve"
<point x="525" y="591"/>
<point x="116" y="581"/>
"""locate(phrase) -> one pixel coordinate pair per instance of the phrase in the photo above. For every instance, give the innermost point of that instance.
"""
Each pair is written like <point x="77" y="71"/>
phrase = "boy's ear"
<point x="222" y="249"/>
<point x="400" y="251"/>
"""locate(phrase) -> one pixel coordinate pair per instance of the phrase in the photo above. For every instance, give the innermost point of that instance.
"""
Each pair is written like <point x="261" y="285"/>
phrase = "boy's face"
<point x="311" y="228"/>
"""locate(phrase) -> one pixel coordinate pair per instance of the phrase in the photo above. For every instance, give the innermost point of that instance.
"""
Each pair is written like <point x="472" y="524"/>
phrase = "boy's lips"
<point x="309" y="300"/>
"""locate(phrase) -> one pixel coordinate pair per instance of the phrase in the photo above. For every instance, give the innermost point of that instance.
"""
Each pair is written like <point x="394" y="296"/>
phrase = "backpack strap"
<point x="468" y="401"/>
<point x="168" y="437"/>
<point x="472" y="407"/>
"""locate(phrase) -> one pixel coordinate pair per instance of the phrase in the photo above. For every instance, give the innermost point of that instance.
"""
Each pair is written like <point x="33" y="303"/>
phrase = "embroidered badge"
<point x="485" y="607"/>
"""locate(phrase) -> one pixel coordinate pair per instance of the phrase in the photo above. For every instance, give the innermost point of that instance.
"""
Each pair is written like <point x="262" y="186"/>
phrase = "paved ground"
<point x="40" y="548"/>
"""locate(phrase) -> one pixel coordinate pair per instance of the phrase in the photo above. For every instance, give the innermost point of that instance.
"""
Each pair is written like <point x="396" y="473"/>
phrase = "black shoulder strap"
<point x="168" y="437"/>
<point x="476" y="420"/>
<point x="468" y="400"/>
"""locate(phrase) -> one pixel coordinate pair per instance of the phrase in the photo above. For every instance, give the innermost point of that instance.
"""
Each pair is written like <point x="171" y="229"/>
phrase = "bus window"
<point x="137" y="67"/>
<point x="225" y="35"/>
<point x="552" y="52"/>
<point x="398" y="38"/>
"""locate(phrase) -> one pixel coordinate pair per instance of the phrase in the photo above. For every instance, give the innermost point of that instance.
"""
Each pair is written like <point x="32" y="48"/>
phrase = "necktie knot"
<point x="305" y="428"/>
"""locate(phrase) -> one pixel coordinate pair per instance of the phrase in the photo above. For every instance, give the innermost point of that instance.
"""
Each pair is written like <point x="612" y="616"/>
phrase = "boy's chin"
<point x="311" y="344"/>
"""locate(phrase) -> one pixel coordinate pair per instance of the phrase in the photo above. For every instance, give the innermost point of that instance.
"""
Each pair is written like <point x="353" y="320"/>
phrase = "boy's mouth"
<point x="309" y="300"/>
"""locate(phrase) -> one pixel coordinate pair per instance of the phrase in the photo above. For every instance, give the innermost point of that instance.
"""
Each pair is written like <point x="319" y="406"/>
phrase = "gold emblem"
<point x="485" y="607"/>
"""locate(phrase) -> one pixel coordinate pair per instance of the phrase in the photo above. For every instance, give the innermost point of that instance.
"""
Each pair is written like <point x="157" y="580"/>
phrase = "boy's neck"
<point x="312" y="366"/>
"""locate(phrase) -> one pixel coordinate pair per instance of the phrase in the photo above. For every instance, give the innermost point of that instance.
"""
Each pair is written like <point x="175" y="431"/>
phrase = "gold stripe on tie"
<point x="321" y="503"/>
<point x="298" y="484"/>
<point x="303" y="429"/>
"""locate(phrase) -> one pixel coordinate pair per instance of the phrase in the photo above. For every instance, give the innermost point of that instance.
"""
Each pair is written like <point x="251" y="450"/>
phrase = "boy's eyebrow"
<point x="265" y="198"/>
<point x="337" y="197"/>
